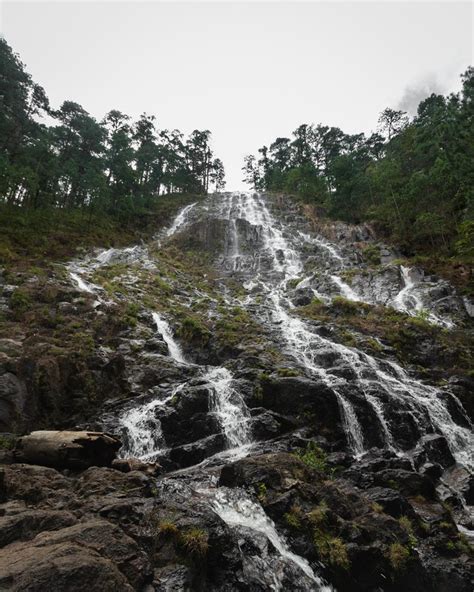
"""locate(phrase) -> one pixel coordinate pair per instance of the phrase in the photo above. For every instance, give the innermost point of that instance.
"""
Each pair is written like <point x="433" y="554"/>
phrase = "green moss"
<point x="291" y="284"/>
<point x="287" y="372"/>
<point x="6" y="443"/>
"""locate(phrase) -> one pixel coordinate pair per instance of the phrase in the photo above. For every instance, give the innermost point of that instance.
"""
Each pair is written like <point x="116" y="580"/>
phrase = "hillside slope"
<point x="307" y="395"/>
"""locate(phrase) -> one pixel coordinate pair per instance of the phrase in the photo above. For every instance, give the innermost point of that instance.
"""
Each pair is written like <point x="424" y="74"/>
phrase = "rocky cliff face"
<point x="307" y="395"/>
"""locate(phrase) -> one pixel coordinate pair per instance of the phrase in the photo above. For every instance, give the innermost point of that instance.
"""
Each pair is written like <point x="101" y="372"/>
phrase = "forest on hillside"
<point x="414" y="179"/>
<point x="115" y="166"/>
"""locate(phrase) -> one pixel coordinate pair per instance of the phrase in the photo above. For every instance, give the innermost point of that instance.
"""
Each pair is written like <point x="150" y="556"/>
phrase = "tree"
<point x="392" y="122"/>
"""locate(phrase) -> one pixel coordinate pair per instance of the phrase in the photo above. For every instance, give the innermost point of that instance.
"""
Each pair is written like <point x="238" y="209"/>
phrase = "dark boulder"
<point x="433" y="448"/>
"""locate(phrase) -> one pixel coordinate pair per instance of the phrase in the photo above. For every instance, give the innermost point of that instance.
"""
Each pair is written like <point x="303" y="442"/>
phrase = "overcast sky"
<point x="249" y="72"/>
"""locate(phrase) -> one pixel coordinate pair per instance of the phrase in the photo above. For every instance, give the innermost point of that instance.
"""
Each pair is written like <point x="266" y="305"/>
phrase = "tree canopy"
<point x="114" y="165"/>
<point x="414" y="179"/>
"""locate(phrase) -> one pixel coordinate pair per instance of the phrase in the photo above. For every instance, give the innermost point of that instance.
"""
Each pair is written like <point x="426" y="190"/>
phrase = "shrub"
<point x="20" y="301"/>
<point x="371" y="254"/>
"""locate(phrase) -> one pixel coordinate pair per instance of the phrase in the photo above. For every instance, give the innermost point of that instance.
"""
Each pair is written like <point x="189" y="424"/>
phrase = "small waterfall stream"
<point x="237" y="509"/>
<point x="180" y="220"/>
<point x="165" y="331"/>
<point x="230" y="409"/>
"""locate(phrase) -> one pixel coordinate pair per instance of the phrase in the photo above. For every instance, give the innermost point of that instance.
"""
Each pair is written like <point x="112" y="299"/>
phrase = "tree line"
<point x="114" y="165"/>
<point x="412" y="178"/>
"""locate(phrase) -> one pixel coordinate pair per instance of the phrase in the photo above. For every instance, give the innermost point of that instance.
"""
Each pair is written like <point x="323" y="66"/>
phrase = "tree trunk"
<point x="67" y="450"/>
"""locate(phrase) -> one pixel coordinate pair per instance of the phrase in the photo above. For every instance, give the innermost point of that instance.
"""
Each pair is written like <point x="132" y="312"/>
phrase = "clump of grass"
<point x="262" y="492"/>
<point x="318" y="515"/>
<point x="331" y="549"/>
<point x="195" y="542"/>
<point x="398" y="556"/>
<point x="168" y="529"/>
<point x="314" y="457"/>
<point x="294" y="517"/>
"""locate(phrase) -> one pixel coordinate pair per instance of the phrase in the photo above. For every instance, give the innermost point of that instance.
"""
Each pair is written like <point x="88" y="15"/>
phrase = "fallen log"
<point x="67" y="450"/>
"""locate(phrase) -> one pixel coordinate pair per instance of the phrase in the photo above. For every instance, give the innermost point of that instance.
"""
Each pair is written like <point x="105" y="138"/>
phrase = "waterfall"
<point x="230" y="408"/>
<point x="407" y="300"/>
<point x="238" y="510"/>
<point x="428" y="406"/>
<point x="180" y="220"/>
<point x="173" y="346"/>
<point x="345" y="289"/>
<point x="144" y="437"/>
<point x="299" y="340"/>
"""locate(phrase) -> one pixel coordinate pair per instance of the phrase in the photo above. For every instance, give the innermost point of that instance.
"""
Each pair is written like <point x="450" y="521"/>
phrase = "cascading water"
<point x="427" y="405"/>
<point x="165" y="331"/>
<point x="345" y="289"/>
<point x="230" y="409"/>
<point x="238" y="510"/>
<point x="180" y="220"/>
<point x="143" y="433"/>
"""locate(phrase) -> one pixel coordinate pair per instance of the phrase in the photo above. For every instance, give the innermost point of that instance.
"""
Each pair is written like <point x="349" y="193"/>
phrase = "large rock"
<point x="95" y="555"/>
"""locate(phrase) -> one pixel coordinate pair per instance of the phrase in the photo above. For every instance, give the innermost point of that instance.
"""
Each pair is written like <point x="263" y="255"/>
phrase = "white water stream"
<point x="427" y="405"/>
<point x="180" y="220"/>
<point x="238" y="509"/>
<point x="165" y="331"/>
<point x="230" y="409"/>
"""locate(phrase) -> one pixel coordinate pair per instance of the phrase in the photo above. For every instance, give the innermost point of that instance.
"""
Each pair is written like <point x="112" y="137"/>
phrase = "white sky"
<point x="249" y="72"/>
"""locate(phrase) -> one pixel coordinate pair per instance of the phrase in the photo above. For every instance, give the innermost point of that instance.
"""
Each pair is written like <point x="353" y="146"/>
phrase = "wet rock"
<point x="433" y="448"/>
<point x="392" y="501"/>
<point x="297" y="396"/>
<point x="196" y="452"/>
<point x="462" y="481"/>
<point x="267" y="424"/>
<point x="172" y="578"/>
<point x="125" y="465"/>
